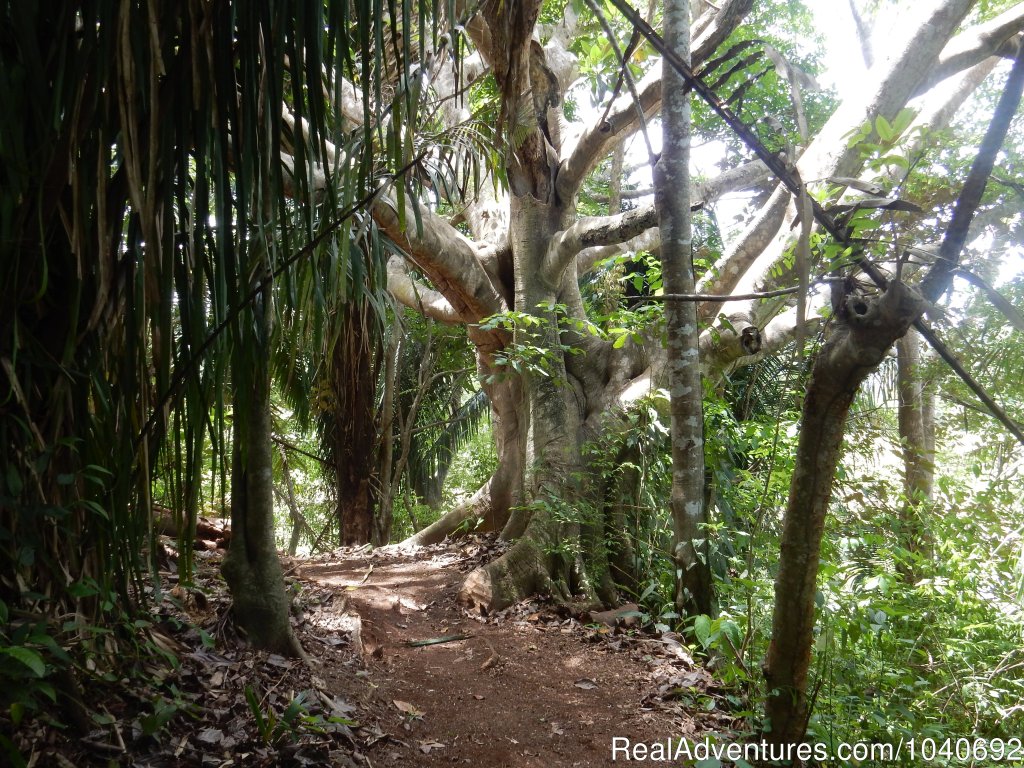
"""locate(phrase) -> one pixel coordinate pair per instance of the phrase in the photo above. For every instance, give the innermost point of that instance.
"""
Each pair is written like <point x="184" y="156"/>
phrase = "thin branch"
<point x="947" y="356"/>
<point x="941" y="274"/>
<point x="723" y="297"/>
<point x="295" y="449"/>
<point x="624" y="74"/>
<point x="991" y="38"/>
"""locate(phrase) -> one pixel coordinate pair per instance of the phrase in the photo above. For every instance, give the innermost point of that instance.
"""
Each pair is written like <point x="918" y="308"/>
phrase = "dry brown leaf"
<point x="406" y="708"/>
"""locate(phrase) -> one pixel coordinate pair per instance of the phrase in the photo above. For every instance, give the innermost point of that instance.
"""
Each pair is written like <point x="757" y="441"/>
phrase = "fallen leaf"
<point x="406" y="708"/>
<point x="426" y="746"/>
<point x="586" y="684"/>
<point x="211" y="736"/>
<point x="478" y="697"/>
<point x="556" y="730"/>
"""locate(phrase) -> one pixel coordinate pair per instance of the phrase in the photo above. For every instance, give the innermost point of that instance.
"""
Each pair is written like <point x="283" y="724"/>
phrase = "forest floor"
<point x="401" y="674"/>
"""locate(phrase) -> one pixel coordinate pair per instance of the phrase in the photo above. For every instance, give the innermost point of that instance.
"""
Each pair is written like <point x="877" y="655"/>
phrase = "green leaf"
<point x="702" y="629"/>
<point x="28" y="657"/>
<point x="903" y="120"/>
<point x="884" y="129"/>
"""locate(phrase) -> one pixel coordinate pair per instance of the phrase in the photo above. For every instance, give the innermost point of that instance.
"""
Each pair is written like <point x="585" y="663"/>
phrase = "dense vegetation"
<point x="231" y="288"/>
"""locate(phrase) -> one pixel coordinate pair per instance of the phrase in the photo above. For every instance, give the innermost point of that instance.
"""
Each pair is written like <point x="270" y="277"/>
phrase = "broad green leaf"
<point x="702" y="629"/>
<point x="28" y="657"/>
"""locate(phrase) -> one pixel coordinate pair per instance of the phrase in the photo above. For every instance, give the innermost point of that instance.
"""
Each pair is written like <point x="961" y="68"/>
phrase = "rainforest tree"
<point x="511" y="270"/>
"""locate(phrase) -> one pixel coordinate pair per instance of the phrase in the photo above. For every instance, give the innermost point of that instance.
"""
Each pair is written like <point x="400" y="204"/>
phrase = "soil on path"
<point x="525" y="688"/>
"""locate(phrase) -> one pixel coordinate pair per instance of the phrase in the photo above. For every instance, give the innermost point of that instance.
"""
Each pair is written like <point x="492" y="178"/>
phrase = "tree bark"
<point x="694" y="590"/>
<point x="918" y="459"/>
<point x="251" y="567"/>
<point x="354" y="424"/>
<point x="860" y="341"/>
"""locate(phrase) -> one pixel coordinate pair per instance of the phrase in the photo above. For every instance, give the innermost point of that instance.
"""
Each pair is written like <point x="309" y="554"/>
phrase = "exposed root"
<point x="527" y="569"/>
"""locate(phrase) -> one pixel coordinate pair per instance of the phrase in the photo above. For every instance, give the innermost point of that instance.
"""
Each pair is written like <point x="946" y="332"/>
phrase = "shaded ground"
<point x="524" y="688"/>
<point x="530" y="686"/>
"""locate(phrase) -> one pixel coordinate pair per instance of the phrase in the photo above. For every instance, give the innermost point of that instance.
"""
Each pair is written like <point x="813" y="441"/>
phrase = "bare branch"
<point x="941" y="273"/>
<point x="727" y="272"/>
<point x="444" y="255"/>
<point x="417" y="296"/>
<point x="829" y="154"/>
<point x="596" y="141"/>
<point x="588" y="257"/>
<point x="780" y="331"/>
<point x="590" y="231"/>
<point x="623" y="118"/>
<point x="992" y="38"/>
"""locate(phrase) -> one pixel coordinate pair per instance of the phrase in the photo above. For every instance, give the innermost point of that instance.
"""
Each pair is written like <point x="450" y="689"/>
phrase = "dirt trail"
<point x="524" y="689"/>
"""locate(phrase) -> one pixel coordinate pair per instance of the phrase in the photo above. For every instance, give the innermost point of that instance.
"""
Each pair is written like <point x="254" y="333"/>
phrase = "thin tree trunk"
<point x="299" y="523"/>
<point x="694" y="590"/>
<point x="251" y="567"/>
<point x="918" y="460"/>
<point x="489" y="508"/>
<point x="382" y="521"/>
<point x="407" y="423"/>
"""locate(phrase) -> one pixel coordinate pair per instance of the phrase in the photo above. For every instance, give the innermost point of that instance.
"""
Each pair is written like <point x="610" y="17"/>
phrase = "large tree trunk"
<point x="353" y="378"/>
<point x="251" y="567"/>
<point x="546" y="558"/>
<point x="864" y="332"/>
<point x="694" y="591"/>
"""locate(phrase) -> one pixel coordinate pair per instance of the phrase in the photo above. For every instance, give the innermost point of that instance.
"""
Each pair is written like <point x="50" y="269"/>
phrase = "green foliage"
<point x="744" y="77"/>
<point x="28" y="657"/>
<point x="539" y="342"/>
<point x="470" y="467"/>
<point x="275" y="728"/>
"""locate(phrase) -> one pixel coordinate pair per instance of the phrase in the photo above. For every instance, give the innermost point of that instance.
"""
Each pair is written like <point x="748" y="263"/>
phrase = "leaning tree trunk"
<point x="864" y="332"/>
<point x="694" y="590"/>
<point x="251" y="567"/>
